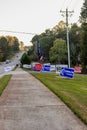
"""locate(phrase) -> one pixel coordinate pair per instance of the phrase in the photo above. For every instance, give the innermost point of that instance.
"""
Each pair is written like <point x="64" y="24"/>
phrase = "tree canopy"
<point x="58" y="53"/>
<point x="84" y="37"/>
<point x="48" y="38"/>
<point x="8" y="45"/>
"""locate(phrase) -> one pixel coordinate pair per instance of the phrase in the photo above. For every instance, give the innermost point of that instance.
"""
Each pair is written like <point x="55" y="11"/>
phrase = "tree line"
<point x="54" y="46"/>
<point x="8" y="46"/>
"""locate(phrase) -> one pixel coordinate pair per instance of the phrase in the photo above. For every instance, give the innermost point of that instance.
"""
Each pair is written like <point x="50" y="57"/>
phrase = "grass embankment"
<point x="3" y="82"/>
<point x="72" y="91"/>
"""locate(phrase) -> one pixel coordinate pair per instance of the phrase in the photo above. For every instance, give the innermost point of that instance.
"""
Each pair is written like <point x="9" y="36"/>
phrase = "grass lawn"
<point x="3" y="82"/>
<point x="72" y="91"/>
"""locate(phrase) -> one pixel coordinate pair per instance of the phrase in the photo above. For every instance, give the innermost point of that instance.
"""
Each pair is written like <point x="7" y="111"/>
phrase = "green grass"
<point x="72" y="92"/>
<point x="3" y="82"/>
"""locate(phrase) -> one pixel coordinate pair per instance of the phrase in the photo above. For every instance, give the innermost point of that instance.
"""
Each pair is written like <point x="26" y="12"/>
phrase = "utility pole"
<point x="67" y="13"/>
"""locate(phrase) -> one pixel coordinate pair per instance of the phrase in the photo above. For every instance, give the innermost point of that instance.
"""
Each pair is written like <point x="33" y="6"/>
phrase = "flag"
<point x="39" y="50"/>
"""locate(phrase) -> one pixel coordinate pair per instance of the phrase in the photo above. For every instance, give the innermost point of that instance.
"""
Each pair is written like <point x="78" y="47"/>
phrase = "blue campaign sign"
<point x="67" y="72"/>
<point x="46" y="68"/>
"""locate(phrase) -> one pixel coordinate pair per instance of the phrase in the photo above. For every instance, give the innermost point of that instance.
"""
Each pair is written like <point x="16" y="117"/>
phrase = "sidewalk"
<point x="27" y="104"/>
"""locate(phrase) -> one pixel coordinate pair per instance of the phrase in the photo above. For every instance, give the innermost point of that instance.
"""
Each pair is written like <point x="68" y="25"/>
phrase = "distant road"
<point x="14" y="61"/>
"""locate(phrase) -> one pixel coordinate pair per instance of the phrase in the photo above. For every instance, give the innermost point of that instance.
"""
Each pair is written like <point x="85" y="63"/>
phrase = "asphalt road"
<point x="14" y="61"/>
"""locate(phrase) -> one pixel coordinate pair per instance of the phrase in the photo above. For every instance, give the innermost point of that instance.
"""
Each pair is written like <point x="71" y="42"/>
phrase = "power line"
<point x="66" y="3"/>
<point x="18" y="32"/>
<point x="75" y="5"/>
<point x="69" y="3"/>
<point x="63" y="3"/>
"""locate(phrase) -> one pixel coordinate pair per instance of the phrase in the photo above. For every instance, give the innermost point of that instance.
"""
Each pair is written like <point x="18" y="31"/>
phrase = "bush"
<point x="84" y="69"/>
<point x="25" y="59"/>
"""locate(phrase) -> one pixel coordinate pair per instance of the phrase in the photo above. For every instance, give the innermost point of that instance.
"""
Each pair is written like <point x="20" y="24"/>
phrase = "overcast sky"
<point x="34" y="16"/>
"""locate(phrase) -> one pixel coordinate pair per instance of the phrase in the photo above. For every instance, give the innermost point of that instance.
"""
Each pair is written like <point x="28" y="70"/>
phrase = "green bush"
<point x="25" y="59"/>
<point x="84" y="69"/>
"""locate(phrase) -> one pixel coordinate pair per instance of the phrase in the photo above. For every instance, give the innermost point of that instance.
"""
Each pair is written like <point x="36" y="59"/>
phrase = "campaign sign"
<point x="77" y="69"/>
<point x="67" y="72"/>
<point x="46" y="68"/>
<point x="38" y="67"/>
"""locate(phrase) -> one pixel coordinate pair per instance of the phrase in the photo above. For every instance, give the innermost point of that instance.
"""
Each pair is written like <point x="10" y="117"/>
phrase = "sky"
<point x="34" y="16"/>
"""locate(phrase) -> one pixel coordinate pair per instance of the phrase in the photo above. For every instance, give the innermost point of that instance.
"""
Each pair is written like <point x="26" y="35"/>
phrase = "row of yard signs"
<point x="62" y="70"/>
<point x="40" y="67"/>
<point x="65" y="72"/>
<point x="48" y="67"/>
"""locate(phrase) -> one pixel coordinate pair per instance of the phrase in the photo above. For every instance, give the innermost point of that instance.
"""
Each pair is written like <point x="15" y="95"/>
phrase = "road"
<point x="14" y="61"/>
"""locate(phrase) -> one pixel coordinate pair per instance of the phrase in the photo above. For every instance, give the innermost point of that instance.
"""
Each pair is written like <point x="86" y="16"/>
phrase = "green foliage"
<point x="84" y="37"/>
<point x="25" y="59"/>
<point x="75" y="39"/>
<point x="84" y="69"/>
<point x="3" y="82"/>
<point x="60" y="30"/>
<point x="8" y="46"/>
<point x="46" y="44"/>
<point x="72" y="92"/>
<point x="16" y="45"/>
<point x="47" y="39"/>
<point x="58" y="53"/>
<point x="83" y="17"/>
<point x="84" y="48"/>
<point x="33" y="52"/>
<point x="3" y="48"/>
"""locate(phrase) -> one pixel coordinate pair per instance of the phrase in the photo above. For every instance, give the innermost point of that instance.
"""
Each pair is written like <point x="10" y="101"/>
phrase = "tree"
<point x="59" y="27"/>
<point x="48" y="37"/>
<point x="3" y="48"/>
<point x="60" y="30"/>
<point x="84" y="37"/>
<point x="8" y="45"/>
<point x="58" y="53"/>
<point x="46" y="41"/>
<point x="25" y="59"/>
<point x="16" y="45"/>
<point x="13" y="43"/>
<point x="83" y="17"/>
<point x="21" y="45"/>
<point x="46" y="44"/>
<point x="75" y="39"/>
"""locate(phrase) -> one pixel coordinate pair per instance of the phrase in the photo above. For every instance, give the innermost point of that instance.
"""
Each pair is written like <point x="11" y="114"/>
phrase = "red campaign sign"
<point x="38" y="67"/>
<point x="77" y="69"/>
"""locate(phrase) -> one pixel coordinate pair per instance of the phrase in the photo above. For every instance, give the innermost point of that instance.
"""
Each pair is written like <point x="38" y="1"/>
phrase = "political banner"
<point x="67" y="72"/>
<point x="46" y="68"/>
<point x="39" y="51"/>
<point x="52" y="67"/>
